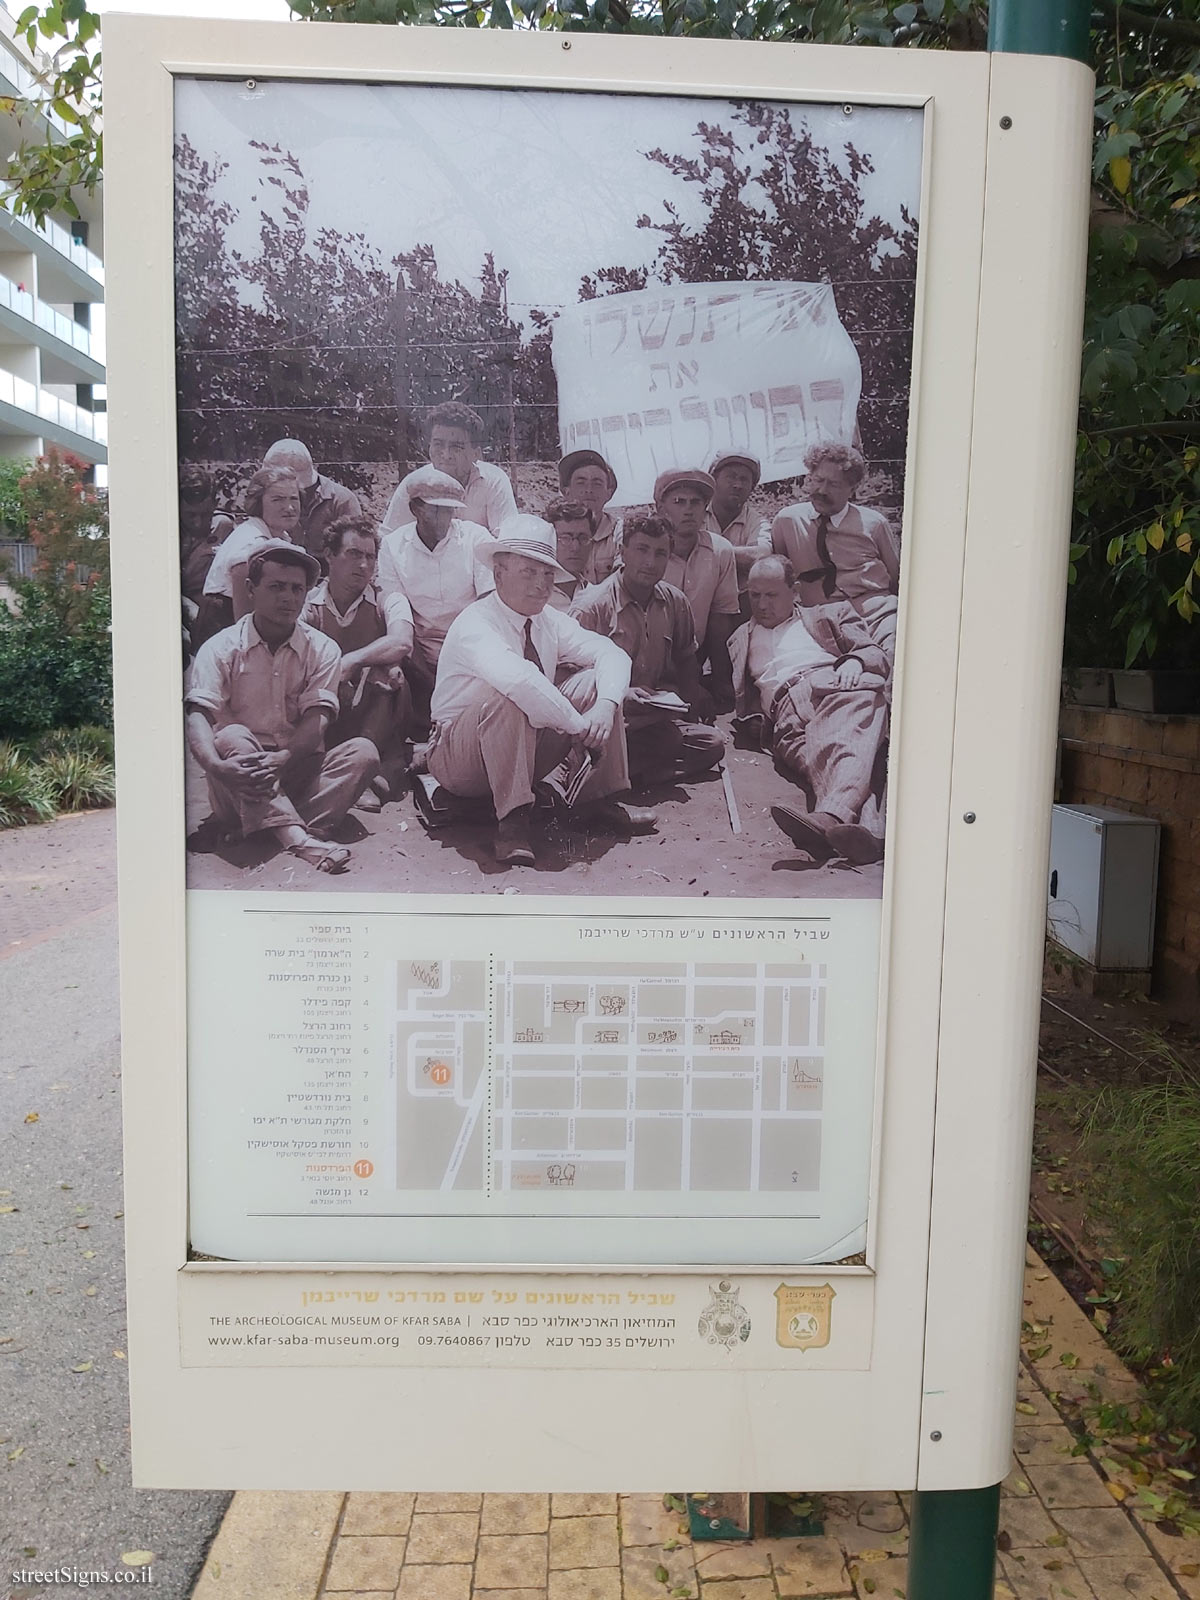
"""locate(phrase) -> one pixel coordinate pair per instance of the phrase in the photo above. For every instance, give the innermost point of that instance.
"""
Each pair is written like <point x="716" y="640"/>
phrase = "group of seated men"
<point x="488" y="647"/>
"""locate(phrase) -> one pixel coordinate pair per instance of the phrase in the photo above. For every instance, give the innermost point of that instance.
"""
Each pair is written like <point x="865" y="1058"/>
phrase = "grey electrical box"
<point x="1103" y="884"/>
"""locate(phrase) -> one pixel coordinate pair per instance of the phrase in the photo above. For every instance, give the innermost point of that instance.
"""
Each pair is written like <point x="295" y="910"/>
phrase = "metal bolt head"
<point x="1006" y="123"/>
<point x="936" y="1435"/>
<point x="968" y="816"/>
<point x="566" y="44"/>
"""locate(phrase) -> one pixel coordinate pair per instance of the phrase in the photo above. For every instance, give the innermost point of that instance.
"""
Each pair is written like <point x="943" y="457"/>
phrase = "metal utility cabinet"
<point x="1103" y="883"/>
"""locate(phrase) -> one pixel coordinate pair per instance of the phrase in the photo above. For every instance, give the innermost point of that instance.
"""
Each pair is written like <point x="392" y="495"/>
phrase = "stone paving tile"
<point x="449" y="1502"/>
<point x="1075" y="1484"/>
<point x="738" y="1589"/>
<point x="365" y="1563"/>
<point x="377" y="1513"/>
<point x="1043" y="1412"/>
<point x="584" y="1542"/>
<point x="889" y="1577"/>
<point x="508" y="1594"/>
<point x="1100" y="1533"/>
<point x="511" y="1561"/>
<point x="515" y="1513"/>
<point x="1043" y="1443"/>
<point x="1043" y="1575"/>
<point x="1025" y="1523"/>
<point x="1116" y="1579"/>
<point x="586" y="1583"/>
<point x="435" y="1583"/>
<point x="1016" y="1483"/>
<point x="745" y="1558"/>
<point x="442" y="1536"/>
<point x="881" y="1512"/>
<point x="639" y="1564"/>
<point x="1182" y="1556"/>
<point x="855" y="1540"/>
<point x="644" y="1518"/>
<point x="588" y="1505"/>
<point x="808" y="1567"/>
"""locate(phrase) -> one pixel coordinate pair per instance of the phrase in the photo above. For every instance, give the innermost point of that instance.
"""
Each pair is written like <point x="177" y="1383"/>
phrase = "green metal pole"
<point x="952" y="1545"/>
<point x="1040" y="27"/>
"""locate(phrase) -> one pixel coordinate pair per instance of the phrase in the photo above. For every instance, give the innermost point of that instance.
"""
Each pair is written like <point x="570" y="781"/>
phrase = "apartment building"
<point x="51" y="308"/>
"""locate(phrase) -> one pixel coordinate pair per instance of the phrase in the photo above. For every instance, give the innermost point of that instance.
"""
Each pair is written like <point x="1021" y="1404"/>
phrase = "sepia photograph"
<point x="541" y="478"/>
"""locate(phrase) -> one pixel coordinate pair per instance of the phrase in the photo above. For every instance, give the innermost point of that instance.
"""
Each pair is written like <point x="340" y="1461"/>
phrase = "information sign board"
<point x="458" y="1090"/>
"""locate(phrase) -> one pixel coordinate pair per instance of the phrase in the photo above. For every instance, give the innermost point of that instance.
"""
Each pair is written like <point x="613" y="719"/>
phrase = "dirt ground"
<point x="694" y="853"/>
<point x="53" y="874"/>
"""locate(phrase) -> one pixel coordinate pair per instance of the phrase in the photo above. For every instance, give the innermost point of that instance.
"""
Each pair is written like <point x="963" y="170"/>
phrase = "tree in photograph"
<point x="777" y="206"/>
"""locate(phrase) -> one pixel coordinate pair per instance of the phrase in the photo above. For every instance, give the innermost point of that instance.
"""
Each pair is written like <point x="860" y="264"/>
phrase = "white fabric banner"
<point x="669" y="376"/>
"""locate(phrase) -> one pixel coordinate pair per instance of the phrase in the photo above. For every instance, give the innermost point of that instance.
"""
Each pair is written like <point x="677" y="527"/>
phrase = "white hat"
<point x="524" y="536"/>
<point x="432" y="487"/>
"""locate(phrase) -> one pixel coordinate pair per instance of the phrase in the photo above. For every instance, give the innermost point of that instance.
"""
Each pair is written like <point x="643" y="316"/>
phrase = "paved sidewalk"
<point x="1066" y="1531"/>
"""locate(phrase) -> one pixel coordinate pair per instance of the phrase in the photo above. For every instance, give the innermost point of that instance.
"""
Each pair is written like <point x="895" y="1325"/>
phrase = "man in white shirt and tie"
<point x="501" y="725"/>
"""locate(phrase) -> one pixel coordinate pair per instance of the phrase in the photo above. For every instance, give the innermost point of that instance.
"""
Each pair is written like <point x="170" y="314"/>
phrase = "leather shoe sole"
<point x="802" y="831"/>
<point x="857" y="844"/>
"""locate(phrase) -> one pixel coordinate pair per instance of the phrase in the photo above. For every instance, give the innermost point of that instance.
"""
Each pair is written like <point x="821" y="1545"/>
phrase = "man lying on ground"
<point x="261" y="695"/>
<point x="501" y="725"/>
<point x="702" y="565"/>
<point x="652" y="622"/>
<point x="841" y="551"/>
<point x="375" y="636"/>
<point x="813" y="687"/>
<point x="453" y="435"/>
<point x="322" y="501"/>
<point x="433" y="560"/>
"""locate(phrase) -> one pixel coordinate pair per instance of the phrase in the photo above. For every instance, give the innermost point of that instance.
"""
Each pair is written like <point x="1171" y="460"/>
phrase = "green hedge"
<point x="49" y="677"/>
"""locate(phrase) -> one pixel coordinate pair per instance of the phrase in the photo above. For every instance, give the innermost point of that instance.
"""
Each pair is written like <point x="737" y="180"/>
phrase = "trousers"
<point x="491" y="748"/>
<point x="314" y="792"/>
<point x="662" y="750"/>
<point x="833" y="742"/>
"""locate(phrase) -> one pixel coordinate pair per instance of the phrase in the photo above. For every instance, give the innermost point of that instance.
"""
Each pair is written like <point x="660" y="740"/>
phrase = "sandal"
<point x="322" y="855"/>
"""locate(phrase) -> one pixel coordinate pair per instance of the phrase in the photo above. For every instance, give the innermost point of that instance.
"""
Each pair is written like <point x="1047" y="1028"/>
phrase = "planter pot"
<point x="1149" y="690"/>
<point x="1088" y="686"/>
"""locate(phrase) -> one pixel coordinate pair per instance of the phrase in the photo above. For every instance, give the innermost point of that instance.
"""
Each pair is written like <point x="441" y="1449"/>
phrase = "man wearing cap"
<point x="261" y="696"/>
<point x="573" y="526"/>
<point x="322" y="501"/>
<point x="652" y="622"/>
<point x="736" y="477"/>
<point x="453" y="433"/>
<point x="585" y="476"/>
<point x="500" y="725"/>
<point x="814" y="688"/>
<point x="433" y="561"/>
<point x="702" y="565"/>
<point x="841" y="551"/>
<point x="375" y="636"/>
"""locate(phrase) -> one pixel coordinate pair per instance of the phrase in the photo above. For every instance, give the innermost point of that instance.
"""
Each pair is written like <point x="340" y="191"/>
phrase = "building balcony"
<point x="55" y="248"/>
<point x="29" y="413"/>
<point x="74" y="351"/>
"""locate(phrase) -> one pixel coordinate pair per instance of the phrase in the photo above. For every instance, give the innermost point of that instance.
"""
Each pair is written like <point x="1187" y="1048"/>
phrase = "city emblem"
<point x="804" y="1316"/>
<point x="724" y="1320"/>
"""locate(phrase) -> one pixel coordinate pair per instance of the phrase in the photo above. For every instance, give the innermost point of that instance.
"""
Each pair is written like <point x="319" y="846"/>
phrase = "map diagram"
<point x="520" y="1076"/>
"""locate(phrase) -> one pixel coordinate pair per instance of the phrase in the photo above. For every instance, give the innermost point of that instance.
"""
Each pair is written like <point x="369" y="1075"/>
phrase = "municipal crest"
<point x="724" y="1320"/>
<point x="804" y="1316"/>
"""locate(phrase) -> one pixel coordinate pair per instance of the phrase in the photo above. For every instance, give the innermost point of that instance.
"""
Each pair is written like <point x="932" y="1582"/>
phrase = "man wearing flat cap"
<point x="260" y="698"/>
<point x="433" y="561"/>
<point x="501" y="725"/>
<point x="586" y="478"/>
<point x="736" y="477"/>
<point x="453" y="435"/>
<point x="702" y="565"/>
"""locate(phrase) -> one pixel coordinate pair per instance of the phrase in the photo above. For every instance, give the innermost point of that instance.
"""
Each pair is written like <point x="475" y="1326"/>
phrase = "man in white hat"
<point x="261" y="696"/>
<point x="702" y="565"/>
<point x="736" y="476"/>
<point x="322" y="501"/>
<point x="500" y="725"/>
<point x="433" y="560"/>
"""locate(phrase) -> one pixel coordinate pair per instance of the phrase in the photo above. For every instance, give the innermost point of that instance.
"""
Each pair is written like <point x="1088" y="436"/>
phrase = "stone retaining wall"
<point x="1148" y="764"/>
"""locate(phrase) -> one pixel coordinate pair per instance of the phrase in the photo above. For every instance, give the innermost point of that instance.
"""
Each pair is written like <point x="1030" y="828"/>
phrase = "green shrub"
<point x="1146" y="1140"/>
<point x="51" y="677"/>
<point x="77" y="781"/>
<point x="95" y="742"/>
<point x="24" y="793"/>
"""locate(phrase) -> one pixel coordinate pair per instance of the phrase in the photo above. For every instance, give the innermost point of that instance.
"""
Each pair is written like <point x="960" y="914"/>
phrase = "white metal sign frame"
<point x="916" y="1389"/>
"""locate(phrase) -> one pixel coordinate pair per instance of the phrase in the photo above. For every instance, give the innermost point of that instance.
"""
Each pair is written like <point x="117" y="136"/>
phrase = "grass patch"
<point x="68" y="770"/>
<point x="24" y="794"/>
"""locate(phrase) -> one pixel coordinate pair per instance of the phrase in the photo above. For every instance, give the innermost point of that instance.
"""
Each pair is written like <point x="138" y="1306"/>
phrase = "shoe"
<point x="368" y="800"/>
<point x="513" y="847"/>
<point x="857" y="844"/>
<point x="611" y="816"/>
<point x="806" y="831"/>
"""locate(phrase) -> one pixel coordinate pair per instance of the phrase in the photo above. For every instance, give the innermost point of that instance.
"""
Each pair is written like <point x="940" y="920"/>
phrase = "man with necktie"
<point x="501" y="725"/>
<point x="841" y="551"/>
